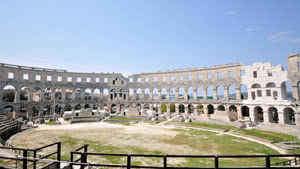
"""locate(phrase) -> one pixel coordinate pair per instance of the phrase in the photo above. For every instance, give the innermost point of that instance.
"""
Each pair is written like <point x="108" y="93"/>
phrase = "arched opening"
<point x="122" y="107"/>
<point x="8" y="109"/>
<point x="286" y="90"/>
<point x="131" y="92"/>
<point x="221" y="108"/>
<point x="172" y="108"/>
<point x="273" y="115"/>
<point x="172" y="94"/>
<point x="146" y="107"/>
<point x="245" y="111"/>
<point x="86" y="106"/>
<point x="210" y="92"/>
<point x="147" y="92"/>
<point x="78" y="107"/>
<point x="154" y="107"/>
<point x="244" y="92"/>
<point x="58" y="94"/>
<point x="139" y="92"/>
<point x="78" y="94"/>
<point x="163" y="93"/>
<point x="36" y="96"/>
<point x="87" y="94"/>
<point x="68" y="107"/>
<point x="58" y="110"/>
<point x="48" y="94"/>
<point x="181" y="93"/>
<point x="163" y="108"/>
<point x="24" y="94"/>
<point x="181" y="108"/>
<point x="190" y="108"/>
<point x="232" y="92"/>
<point x="210" y="109"/>
<point x="200" y="93"/>
<point x="258" y="94"/>
<point x="47" y="110"/>
<point x="200" y="109"/>
<point x="68" y="94"/>
<point x="105" y="92"/>
<point x="9" y="93"/>
<point x="258" y="114"/>
<point x="155" y="93"/>
<point x="220" y="92"/>
<point x="97" y="92"/>
<point x="113" y="108"/>
<point x="233" y="108"/>
<point x="289" y="116"/>
<point x="190" y="93"/>
<point x="23" y="111"/>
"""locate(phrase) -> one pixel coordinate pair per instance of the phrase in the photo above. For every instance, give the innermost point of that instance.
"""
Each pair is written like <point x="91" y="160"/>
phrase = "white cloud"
<point x="290" y="36"/>
<point x="233" y="12"/>
<point x="249" y="29"/>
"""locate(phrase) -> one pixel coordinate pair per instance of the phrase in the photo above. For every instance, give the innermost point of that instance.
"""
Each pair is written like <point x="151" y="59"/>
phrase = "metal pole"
<point x="216" y="162"/>
<point x="268" y="165"/>
<point x="128" y="161"/>
<point x="58" y="154"/>
<point x="165" y="161"/>
<point x="24" y="159"/>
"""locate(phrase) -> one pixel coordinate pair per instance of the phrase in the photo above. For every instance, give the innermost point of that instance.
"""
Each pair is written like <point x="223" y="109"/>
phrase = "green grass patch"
<point x="125" y="118"/>
<point x="1" y="161"/>
<point x="207" y="125"/>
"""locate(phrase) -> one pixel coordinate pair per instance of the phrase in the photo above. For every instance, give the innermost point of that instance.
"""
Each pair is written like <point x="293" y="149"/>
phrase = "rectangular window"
<point x="242" y="72"/>
<point x="88" y="79"/>
<point x="190" y="77"/>
<point x="49" y="78"/>
<point x="78" y="79"/>
<point x="209" y="75"/>
<point x="268" y="92"/>
<point x="97" y="80"/>
<point x="230" y="74"/>
<point x="105" y="80"/>
<point x="259" y="94"/>
<point x="25" y="77"/>
<point x="219" y="75"/>
<point x="38" y="77"/>
<point x="269" y="73"/>
<point x="69" y="79"/>
<point x="11" y="75"/>
<point x="255" y="74"/>
<point x="59" y="78"/>
<point x="199" y="76"/>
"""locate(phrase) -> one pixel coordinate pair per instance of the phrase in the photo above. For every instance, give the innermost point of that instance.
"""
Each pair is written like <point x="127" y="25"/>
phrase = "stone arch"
<point x="35" y="111"/>
<point x="147" y="91"/>
<point x="289" y="116"/>
<point x="220" y="92"/>
<point x="36" y="96"/>
<point x="181" y="93"/>
<point x="9" y="109"/>
<point x="68" y="107"/>
<point x="200" y="108"/>
<point x="87" y="106"/>
<point x="200" y="93"/>
<point x="258" y="114"/>
<point x="122" y="107"/>
<point x="172" y="108"/>
<point x="47" y="110"/>
<point x="232" y="92"/>
<point x="273" y="115"/>
<point x="88" y="94"/>
<point x="163" y="108"/>
<point x="131" y="92"/>
<point x="78" y="94"/>
<point x="190" y="108"/>
<point x="163" y="93"/>
<point x="105" y="92"/>
<point x="244" y="92"/>
<point x="172" y="94"/>
<point x="139" y="91"/>
<point x="58" y="94"/>
<point x="286" y="90"/>
<point x="155" y="92"/>
<point x="181" y="108"/>
<point x="221" y="108"/>
<point x="190" y="93"/>
<point x="77" y="107"/>
<point x="68" y="94"/>
<point x="48" y="93"/>
<point x="270" y="85"/>
<point x="97" y="92"/>
<point x="256" y="85"/>
<point x="210" y="92"/>
<point x="113" y="108"/>
<point x="245" y="111"/>
<point x="9" y="93"/>
<point x="24" y="94"/>
<point x="210" y="109"/>
<point x="233" y="108"/>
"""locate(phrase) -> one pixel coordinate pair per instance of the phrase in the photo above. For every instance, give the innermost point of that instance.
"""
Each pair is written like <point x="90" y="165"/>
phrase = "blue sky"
<point x="147" y="35"/>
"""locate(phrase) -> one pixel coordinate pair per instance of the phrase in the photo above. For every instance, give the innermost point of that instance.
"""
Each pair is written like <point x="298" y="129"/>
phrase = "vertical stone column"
<point x="239" y="111"/>
<point x="176" y="108"/>
<point x="52" y="94"/>
<point x="195" y="94"/>
<point x="238" y="94"/>
<point x="30" y="95"/>
<point x="17" y="96"/>
<point x="266" y="115"/>
<point x="159" y="94"/>
<point x="205" y="93"/>
<point x="251" y="113"/>
<point x="295" y="92"/>
<point x="185" y="95"/>
<point x="226" y="94"/>
<point x="215" y="94"/>
<point x="52" y="109"/>
<point x="73" y="94"/>
<point x="63" y="94"/>
<point x="176" y="94"/>
<point x="167" y="94"/>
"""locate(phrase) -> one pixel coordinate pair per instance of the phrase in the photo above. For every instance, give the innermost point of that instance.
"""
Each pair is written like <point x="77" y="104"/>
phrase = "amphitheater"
<point x="260" y="96"/>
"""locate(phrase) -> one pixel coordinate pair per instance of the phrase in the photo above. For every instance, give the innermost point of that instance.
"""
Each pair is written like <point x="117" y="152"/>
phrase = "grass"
<point x="267" y="135"/>
<point x="1" y="161"/>
<point x="125" y="119"/>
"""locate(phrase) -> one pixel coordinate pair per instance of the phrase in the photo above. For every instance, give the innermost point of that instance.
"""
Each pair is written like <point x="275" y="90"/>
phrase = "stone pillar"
<point x="42" y="95"/>
<point x="280" y="117"/>
<point x="30" y="93"/>
<point x="167" y="94"/>
<point x="185" y="95"/>
<point x="295" y="92"/>
<point x="251" y="113"/>
<point x="52" y="109"/>
<point x="238" y="94"/>
<point x="226" y="94"/>
<point x="195" y="94"/>
<point x="215" y="94"/>
<point x="73" y="94"/>
<point x="168" y="108"/>
<point x="176" y="108"/>
<point x="176" y="94"/>
<point x="53" y="94"/>
<point x="205" y="93"/>
<point x="63" y="94"/>
<point x="239" y="111"/>
<point x="159" y="94"/>
<point x="17" y="96"/>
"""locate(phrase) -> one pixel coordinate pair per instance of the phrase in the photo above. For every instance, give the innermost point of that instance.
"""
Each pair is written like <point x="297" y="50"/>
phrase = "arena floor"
<point x="144" y="138"/>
